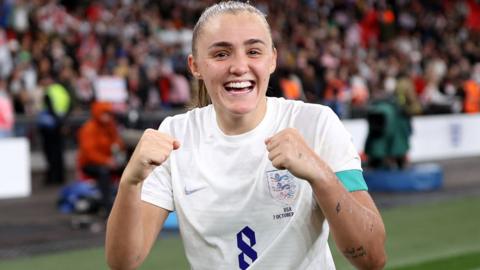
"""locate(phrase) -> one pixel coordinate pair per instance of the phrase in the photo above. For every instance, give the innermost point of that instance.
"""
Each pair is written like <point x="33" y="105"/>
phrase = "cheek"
<point x="208" y="72"/>
<point x="213" y="74"/>
<point x="266" y="73"/>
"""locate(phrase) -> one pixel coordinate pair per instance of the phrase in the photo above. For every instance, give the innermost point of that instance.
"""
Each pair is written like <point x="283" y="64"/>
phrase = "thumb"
<point x="267" y="140"/>
<point x="176" y="145"/>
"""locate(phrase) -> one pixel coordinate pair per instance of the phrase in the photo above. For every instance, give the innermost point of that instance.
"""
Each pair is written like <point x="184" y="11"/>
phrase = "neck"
<point x="235" y="124"/>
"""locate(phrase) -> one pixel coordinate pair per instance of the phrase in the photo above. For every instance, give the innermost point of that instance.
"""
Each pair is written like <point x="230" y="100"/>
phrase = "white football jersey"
<point x="235" y="210"/>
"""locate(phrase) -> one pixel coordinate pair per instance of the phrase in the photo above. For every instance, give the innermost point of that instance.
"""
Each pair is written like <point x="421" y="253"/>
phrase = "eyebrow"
<point x="229" y="45"/>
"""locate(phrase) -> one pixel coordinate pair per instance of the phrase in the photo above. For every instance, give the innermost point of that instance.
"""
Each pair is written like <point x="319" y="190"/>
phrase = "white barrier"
<point x="15" y="176"/>
<point x="434" y="137"/>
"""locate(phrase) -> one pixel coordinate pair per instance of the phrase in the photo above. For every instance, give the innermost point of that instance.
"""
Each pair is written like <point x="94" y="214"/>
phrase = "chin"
<point x="242" y="110"/>
<point x="241" y="105"/>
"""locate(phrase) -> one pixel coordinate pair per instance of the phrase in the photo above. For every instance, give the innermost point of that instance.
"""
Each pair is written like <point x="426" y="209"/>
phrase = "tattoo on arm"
<point x="338" y="208"/>
<point x="355" y="252"/>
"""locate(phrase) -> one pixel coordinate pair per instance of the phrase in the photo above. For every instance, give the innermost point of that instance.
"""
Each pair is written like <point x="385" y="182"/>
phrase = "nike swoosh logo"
<point x="191" y="191"/>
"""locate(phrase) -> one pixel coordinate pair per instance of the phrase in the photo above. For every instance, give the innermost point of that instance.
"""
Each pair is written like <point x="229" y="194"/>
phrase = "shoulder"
<point x="191" y="119"/>
<point x="301" y="110"/>
<point x="296" y="104"/>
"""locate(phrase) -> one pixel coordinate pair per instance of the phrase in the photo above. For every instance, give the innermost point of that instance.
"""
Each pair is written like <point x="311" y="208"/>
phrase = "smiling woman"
<point x="257" y="182"/>
<point x="235" y="64"/>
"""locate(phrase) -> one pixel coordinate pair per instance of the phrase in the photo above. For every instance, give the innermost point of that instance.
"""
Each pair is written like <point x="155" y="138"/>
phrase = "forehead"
<point x="233" y="28"/>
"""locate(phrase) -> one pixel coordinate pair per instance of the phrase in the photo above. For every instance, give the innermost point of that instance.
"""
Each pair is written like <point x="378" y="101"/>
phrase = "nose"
<point x="239" y="65"/>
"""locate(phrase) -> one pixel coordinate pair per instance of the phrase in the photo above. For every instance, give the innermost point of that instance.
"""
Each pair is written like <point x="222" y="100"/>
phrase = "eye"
<point x="220" y="55"/>
<point x="254" y="52"/>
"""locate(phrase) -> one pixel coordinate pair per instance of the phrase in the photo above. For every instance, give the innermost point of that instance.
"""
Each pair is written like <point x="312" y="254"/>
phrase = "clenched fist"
<point x="152" y="150"/>
<point x="288" y="150"/>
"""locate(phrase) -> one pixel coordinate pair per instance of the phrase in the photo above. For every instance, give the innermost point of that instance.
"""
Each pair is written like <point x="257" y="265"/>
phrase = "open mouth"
<point x="239" y="87"/>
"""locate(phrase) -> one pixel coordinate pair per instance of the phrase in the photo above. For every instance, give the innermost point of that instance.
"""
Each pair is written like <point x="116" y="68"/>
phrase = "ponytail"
<point x="200" y="97"/>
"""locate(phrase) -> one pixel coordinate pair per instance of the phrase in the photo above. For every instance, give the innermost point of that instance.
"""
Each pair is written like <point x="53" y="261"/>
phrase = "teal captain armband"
<point x="352" y="180"/>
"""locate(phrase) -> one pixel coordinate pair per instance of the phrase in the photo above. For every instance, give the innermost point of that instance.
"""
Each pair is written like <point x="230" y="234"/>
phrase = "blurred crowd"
<point x="424" y="54"/>
<point x="346" y="54"/>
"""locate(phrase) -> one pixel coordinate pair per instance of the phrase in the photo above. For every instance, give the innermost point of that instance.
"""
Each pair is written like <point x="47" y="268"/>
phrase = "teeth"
<point x="239" y="84"/>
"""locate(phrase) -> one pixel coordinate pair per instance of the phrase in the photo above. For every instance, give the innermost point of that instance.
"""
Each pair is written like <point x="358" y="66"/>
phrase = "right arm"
<point x="133" y="225"/>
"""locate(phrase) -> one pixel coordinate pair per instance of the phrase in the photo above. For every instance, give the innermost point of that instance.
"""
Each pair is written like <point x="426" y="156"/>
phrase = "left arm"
<point x="355" y="223"/>
<point x="354" y="220"/>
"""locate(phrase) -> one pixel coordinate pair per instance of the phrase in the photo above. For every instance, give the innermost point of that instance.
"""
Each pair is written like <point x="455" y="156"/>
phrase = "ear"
<point x="192" y="65"/>
<point x="273" y="66"/>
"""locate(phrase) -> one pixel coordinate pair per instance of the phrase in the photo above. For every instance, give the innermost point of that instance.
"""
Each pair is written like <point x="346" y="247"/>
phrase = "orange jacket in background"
<point x="95" y="139"/>
<point x="471" y="102"/>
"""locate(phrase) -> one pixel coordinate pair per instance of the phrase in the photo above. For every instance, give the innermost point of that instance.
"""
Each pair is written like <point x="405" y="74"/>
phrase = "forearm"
<point x="133" y="225"/>
<point x="124" y="245"/>
<point x="354" y="220"/>
<point x="358" y="230"/>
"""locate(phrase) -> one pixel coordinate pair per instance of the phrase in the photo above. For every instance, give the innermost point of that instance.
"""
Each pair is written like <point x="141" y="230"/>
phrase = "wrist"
<point x="322" y="179"/>
<point x="130" y="185"/>
<point x="128" y="179"/>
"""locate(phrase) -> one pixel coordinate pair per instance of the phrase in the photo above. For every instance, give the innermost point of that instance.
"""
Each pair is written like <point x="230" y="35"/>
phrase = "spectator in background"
<point x="50" y="121"/>
<point x="471" y="89"/>
<point x="434" y="100"/>
<point x="6" y="62"/>
<point x="312" y="84"/>
<point x="334" y="94"/>
<point x="405" y="95"/>
<point x="137" y="87"/>
<point x="20" y="96"/>
<point x="5" y="12"/>
<point x="179" y="90"/>
<point x="359" y="94"/>
<point x="7" y="116"/>
<point x="100" y="153"/>
<point x="291" y="85"/>
<point x="84" y="92"/>
<point x="19" y="18"/>
<point x="66" y="78"/>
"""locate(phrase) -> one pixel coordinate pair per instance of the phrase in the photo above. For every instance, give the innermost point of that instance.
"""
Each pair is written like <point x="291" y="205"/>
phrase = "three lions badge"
<point x="282" y="186"/>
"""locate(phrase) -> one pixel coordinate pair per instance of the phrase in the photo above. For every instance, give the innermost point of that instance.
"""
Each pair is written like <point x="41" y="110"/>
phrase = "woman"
<point x="254" y="180"/>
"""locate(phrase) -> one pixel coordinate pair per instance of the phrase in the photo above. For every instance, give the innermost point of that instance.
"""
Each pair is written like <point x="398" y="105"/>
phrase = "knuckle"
<point x="144" y="161"/>
<point x="149" y="131"/>
<point x="148" y="134"/>
<point x="269" y="147"/>
<point x="167" y="147"/>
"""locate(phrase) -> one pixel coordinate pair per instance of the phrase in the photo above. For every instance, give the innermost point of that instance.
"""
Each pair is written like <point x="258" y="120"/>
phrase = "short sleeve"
<point x="157" y="187"/>
<point x="337" y="149"/>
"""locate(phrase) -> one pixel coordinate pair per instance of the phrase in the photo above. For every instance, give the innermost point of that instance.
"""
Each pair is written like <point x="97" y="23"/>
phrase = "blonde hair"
<point x="201" y="97"/>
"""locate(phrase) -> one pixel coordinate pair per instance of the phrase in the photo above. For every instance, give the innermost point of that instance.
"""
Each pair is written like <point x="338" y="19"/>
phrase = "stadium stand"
<point x="340" y="53"/>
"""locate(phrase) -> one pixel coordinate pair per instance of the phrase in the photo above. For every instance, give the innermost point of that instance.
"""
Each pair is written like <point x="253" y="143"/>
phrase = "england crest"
<point x="282" y="186"/>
